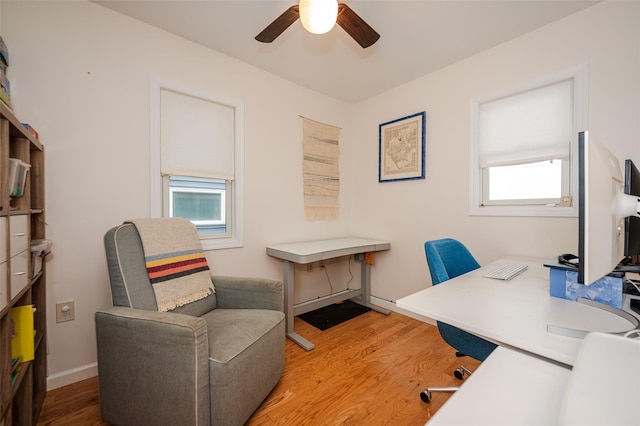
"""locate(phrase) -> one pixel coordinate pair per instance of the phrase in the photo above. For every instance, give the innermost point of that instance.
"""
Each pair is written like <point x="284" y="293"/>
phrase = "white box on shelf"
<point x="17" y="176"/>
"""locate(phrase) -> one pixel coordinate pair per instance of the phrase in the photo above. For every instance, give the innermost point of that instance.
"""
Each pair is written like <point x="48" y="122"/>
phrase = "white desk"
<point x="315" y="251"/>
<point x="604" y="385"/>
<point x="513" y="313"/>
<point x="509" y="388"/>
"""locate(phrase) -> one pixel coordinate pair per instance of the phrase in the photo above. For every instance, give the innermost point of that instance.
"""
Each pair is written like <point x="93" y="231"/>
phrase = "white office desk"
<point x="513" y="313"/>
<point x="315" y="251"/>
<point x="509" y="388"/>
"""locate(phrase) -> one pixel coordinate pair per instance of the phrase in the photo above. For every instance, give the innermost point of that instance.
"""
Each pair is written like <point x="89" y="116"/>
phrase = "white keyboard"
<point x="506" y="272"/>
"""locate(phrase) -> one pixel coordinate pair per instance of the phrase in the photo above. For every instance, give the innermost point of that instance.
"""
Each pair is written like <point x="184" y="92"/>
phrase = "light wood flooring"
<point x="366" y="371"/>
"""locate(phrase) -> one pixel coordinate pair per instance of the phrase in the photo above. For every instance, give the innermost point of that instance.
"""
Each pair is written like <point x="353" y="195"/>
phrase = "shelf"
<point x="17" y="130"/>
<point x="21" y="401"/>
<point x="23" y="369"/>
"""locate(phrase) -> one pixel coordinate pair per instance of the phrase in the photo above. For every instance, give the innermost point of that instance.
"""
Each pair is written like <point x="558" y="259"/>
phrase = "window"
<point x="522" y="145"/>
<point x="196" y="162"/>
<point x="531" y="182"/>
<point x="201" y="200"/>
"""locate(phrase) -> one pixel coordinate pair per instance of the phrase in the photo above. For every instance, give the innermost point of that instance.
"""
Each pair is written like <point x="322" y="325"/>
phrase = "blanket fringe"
<point x="185" y="300"/>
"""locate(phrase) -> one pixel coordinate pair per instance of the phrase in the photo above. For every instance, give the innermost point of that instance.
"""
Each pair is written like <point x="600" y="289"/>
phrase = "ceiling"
<point x="417" y="37"/>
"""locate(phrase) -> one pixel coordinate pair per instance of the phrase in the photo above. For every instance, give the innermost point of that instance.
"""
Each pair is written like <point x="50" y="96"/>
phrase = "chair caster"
<point x="460" y="372"/>
<point x="425" y="396"/>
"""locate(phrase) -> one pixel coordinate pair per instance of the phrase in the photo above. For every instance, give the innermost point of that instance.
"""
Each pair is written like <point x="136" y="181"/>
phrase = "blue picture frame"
<point x="402" y="148"/>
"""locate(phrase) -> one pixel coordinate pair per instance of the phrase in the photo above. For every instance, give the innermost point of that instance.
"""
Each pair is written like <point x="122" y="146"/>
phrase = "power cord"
<point x="633" y="283"/>
<point x="326" y="273"/>
<point x="350" y="273"/>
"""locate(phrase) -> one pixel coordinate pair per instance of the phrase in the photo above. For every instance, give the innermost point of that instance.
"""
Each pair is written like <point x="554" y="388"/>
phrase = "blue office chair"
<point x="448" y="258"/>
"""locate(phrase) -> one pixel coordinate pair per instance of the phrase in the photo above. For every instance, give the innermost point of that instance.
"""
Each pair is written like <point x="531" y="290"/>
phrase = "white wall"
<point x="80" y="76"/>
<point x="606" y="37"/>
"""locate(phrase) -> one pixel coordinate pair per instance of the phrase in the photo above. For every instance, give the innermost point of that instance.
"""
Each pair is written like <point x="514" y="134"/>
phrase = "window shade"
<point x="530" y="126"/>
<point x="196" y="136"/>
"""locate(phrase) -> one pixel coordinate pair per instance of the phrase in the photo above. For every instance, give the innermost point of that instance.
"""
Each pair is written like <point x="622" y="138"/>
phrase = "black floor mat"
<point x="335" y="314"/>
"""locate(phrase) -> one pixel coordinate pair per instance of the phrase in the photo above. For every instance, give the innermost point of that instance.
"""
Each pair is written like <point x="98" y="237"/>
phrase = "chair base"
<point x="459" y="373"/>
<point x="425" y="395"/>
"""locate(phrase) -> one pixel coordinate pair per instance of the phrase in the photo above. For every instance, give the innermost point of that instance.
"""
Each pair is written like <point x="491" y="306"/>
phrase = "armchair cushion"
<point x="246" y="360"/>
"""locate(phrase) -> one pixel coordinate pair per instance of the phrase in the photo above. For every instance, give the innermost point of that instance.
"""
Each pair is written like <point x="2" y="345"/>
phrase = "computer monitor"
<point x="602" y="207"/>
<point x="631" y="224"/>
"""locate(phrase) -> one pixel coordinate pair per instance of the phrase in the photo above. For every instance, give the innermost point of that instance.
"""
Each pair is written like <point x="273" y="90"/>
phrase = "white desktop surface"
<point x="314" y="251"/>
<point x="513" y="313"/>
<point x="508" y="388"/>
<point x="604" y="385"/>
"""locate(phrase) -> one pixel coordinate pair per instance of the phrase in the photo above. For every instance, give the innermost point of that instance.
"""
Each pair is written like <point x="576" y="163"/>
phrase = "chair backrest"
<point x="447" y="258"/>
<point x="130" y="284"/>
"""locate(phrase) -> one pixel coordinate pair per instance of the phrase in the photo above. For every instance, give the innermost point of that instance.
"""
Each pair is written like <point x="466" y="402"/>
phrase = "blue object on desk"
<point x="563" y="283"/>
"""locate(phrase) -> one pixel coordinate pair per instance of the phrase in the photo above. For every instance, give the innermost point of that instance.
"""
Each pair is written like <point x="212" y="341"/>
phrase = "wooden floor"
<point x="369" y="370"/>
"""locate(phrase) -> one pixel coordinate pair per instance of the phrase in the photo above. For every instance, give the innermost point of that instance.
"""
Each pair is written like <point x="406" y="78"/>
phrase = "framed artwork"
<point x="401" y="154"/>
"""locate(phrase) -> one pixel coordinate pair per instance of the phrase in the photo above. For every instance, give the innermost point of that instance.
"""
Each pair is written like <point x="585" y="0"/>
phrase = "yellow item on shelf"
<point x="22" y="341"/>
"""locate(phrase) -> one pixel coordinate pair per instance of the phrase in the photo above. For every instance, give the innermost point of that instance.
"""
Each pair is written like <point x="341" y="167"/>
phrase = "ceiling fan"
<point x="353" y="24"/>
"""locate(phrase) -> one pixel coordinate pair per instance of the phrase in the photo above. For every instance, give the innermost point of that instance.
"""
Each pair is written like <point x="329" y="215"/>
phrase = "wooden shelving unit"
<point x="22" y="219"/>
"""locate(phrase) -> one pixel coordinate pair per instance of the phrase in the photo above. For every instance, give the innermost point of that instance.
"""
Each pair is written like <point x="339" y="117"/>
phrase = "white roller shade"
<point x="196" y="136"/>
<point x="531" y="126"/>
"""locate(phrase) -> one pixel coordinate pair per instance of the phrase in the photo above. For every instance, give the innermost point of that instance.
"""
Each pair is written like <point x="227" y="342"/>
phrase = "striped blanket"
<point x="175" y="262"/>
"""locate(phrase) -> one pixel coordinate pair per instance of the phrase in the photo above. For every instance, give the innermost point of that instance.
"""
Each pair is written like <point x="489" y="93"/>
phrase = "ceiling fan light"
<point x="318" y="16"/>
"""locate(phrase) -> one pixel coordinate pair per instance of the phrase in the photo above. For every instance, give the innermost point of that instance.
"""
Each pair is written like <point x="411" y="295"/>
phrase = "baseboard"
<point x="74" y="375"/>
<point x="393" y="307"/>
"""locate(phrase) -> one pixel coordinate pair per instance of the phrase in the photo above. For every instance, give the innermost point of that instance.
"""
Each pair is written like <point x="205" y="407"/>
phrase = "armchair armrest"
<point x="249" y="293"/>
<point x="145" y="359"/>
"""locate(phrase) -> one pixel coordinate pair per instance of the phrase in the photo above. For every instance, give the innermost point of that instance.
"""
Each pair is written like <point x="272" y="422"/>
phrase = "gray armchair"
<point x="212" y="361"/>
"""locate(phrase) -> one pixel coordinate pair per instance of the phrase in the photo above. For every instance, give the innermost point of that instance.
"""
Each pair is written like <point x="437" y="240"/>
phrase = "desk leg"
<point x="365" y="272"/>
<point x="288" y="282"/>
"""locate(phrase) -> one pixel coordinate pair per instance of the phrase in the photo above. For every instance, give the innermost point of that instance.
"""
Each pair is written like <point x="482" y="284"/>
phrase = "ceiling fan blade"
<point x="280" y="24"/>
<point x="356" y="27"/>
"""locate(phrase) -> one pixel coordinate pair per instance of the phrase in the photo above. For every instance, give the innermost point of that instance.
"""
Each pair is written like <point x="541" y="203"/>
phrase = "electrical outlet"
<point x="65" y="311"/>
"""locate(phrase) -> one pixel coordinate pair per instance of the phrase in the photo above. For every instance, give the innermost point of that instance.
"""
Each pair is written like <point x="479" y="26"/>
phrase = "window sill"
<point x="220" y="243"/>
<point x="524" y="211"/>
